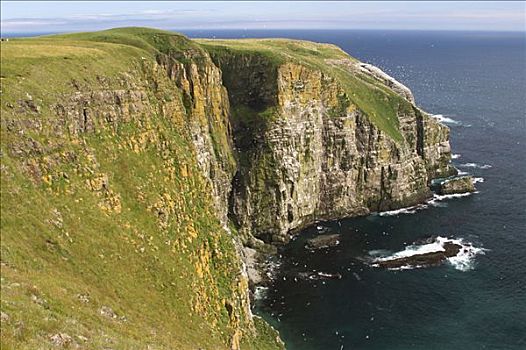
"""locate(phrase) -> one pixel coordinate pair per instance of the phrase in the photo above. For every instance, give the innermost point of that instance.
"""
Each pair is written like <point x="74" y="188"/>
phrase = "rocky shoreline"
<point x="260" y="257"/>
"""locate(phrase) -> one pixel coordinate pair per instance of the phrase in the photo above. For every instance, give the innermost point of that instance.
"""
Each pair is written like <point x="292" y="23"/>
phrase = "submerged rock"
<point x="460" y="184"/>
<point x="323" y="241"/>
<point x="426" y="259"/>
<point x="326" y="275"/>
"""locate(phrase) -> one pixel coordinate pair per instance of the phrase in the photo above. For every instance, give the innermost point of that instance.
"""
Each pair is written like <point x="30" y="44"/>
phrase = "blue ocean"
<point x="475" y="82"/>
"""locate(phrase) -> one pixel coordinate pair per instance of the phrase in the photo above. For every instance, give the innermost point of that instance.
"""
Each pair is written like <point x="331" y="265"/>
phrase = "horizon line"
<point x="38" y="33"/>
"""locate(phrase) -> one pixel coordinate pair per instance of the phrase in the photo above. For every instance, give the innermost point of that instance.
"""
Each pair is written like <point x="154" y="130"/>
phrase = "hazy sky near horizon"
<point x="67" y="16"/>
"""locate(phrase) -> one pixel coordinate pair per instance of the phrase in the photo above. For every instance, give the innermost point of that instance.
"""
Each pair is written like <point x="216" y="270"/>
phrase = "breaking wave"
<point x="463" y="261"/>
<point x="440" y="197"/>
<point x="446" y="120"/>
<point x="260" y="292"/>
<point x="407" y="210"/>
<point x="435" y="201"/>
<point x="478" y="180"/>
<point x="475" y="165"/>
<point x="455" y="156"/>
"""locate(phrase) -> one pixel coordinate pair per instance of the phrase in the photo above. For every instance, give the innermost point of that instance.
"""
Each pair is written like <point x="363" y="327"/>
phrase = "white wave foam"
<point x="463" y="261"/>
<point x="460" y="173"/>
<point x="478" y="179"/>
<point x="379" y="252"/>
<point x="271" y="268"/>
<point x="441" y="197"/>
<point x="407" y="210"/>
<point x="475" y="165"/>
<point x="405" y="267"/>
<point x="415" y="249"/>
<point x="260" y="292"/>
<point x="446" y="120"/>
<point x="455" y="156"/>
<point x="435" y="201"/>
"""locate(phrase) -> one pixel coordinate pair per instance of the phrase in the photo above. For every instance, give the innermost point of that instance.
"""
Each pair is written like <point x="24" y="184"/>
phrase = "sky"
<point x="71" y="16"/>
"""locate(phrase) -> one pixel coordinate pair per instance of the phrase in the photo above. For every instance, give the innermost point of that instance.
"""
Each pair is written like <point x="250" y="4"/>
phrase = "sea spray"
<point x="462" y="261"/>
<point x="446" y="120"/>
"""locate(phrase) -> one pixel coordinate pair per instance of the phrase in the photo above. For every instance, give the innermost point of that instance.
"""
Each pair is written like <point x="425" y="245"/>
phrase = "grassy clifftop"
<point x="113" y="50"/>
<point x="375" y="99"/>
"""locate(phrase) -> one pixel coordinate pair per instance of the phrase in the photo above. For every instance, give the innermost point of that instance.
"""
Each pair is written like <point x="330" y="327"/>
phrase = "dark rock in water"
<point x="426" y="259"/>
<point x="320" y="275"/>
<point x="323" y="241"/>
<point x="325" y="275"/>
<point x="460" y="184"/>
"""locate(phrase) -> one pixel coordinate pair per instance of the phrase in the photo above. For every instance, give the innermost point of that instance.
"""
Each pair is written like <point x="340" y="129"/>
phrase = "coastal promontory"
<point x="138" y="168"/>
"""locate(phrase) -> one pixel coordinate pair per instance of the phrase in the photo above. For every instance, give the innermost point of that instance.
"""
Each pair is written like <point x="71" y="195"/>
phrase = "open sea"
<point x="476" y="83"/>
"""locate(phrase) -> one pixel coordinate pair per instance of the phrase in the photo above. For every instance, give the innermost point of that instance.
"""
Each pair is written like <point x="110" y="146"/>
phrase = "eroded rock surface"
<point x="311" y="154"/>
<point x="460" y="184"/>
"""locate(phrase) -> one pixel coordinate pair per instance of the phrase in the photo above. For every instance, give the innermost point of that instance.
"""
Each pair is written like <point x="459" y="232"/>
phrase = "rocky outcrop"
<point x="460" y="184"/>
<point x="422" y="260"/>
<point x="323" y="241"/>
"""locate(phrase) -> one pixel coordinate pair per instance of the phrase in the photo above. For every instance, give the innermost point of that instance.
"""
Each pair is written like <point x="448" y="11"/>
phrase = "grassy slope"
<point x="379" y="102"/>
<point x="59" y="245"/>
<point x="64" y="255"/>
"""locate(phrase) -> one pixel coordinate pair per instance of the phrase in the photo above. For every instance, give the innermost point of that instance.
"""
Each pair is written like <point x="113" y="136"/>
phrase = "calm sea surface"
<point x="477" y="81"/>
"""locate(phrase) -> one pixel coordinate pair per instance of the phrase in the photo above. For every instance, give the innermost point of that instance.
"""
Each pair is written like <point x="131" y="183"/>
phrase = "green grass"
<point x="373" y="98"/>
<point x="122" y="261"/>
<point x="149" y="246"/>
<point x="268" y="337"/>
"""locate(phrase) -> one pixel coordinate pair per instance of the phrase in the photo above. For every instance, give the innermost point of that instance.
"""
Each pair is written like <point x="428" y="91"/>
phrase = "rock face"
<point x="421" y="260"/>
<point x="310" y="153"/>
<point x="460" y="184"/>
<point x="207" y="109"/>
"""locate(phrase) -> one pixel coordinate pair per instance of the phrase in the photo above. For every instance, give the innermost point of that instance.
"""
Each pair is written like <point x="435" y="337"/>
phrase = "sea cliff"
<point x="137" y="164"/>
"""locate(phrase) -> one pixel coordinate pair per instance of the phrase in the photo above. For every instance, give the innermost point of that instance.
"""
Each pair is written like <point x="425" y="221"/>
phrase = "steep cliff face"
<point x="207" y="108"/>
<point x="135" y="162"/>
<point x="309" y="152"/>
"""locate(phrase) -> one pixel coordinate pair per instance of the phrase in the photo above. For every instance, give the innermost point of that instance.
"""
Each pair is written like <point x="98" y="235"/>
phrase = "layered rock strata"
<point x="310" y="153"/>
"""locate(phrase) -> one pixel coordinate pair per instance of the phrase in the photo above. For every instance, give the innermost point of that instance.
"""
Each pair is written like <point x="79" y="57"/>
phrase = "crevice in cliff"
<point x="249" y="78"/>
<point x="420" y="133"/>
